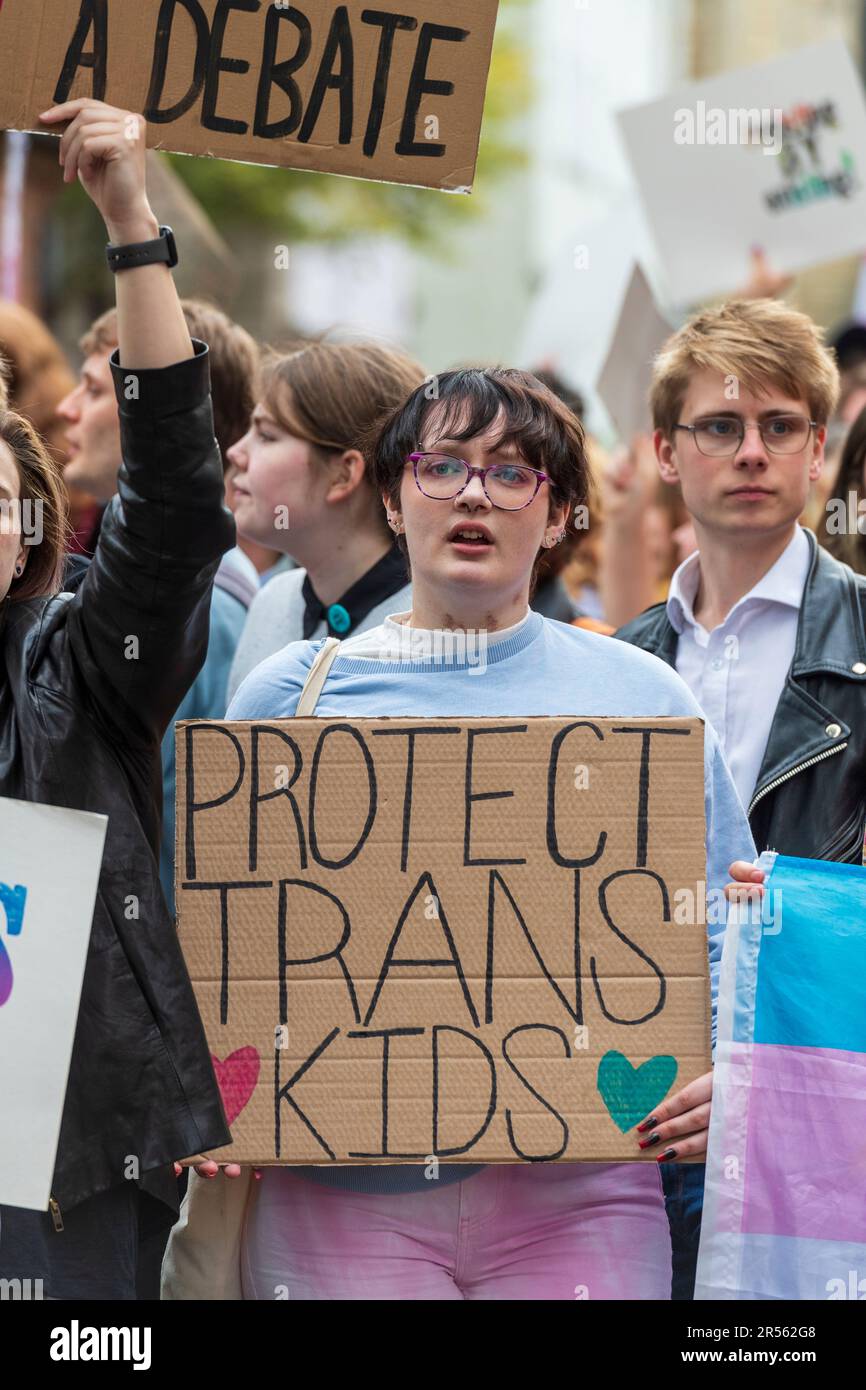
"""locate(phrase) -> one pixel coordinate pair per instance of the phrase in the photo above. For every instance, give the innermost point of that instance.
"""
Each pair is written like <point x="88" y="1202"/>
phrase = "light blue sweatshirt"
<point x="540" y="667"/>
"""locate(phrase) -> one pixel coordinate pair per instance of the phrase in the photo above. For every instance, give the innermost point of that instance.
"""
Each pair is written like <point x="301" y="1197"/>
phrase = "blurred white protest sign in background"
<point x="49" y="869"/>
<point x="773" y="155"/>
<point x="624" y="381"/>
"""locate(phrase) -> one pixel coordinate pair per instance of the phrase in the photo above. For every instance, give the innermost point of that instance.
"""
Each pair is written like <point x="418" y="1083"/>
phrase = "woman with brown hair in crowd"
<point x="299" y="484"/>
<point x="39" y="378"/>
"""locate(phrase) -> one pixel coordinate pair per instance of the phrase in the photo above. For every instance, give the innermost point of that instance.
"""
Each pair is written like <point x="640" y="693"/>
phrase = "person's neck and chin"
<point x="445" y="606"/>
<point x="729" y="563"/>
<point x="337" y="553"/>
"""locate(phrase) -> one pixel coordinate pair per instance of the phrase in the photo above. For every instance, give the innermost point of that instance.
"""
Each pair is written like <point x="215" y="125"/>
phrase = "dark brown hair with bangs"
<point x="464" y="403"/>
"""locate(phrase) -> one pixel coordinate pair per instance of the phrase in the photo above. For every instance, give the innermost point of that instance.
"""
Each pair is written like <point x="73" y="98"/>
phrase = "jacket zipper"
<point x="56" y="1215"/>
<point x="777" y="782"/>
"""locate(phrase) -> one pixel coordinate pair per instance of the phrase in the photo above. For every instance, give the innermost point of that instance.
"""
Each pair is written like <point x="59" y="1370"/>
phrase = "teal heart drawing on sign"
<point x="632" y="1093"/>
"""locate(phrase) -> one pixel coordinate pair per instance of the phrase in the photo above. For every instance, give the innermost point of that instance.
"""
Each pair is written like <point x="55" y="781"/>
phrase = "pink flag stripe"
<point x="804" y="1172"/>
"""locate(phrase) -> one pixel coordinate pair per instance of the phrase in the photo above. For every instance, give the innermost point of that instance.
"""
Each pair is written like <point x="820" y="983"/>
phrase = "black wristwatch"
<point x="161" y="251"/>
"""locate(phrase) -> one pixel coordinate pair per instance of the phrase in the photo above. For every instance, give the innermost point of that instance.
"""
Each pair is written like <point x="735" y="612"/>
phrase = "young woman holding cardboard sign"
<point x="476" y="483"/>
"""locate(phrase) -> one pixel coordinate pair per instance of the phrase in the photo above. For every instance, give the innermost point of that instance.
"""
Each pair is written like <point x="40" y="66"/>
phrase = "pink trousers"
<point x="534" y="1231"/>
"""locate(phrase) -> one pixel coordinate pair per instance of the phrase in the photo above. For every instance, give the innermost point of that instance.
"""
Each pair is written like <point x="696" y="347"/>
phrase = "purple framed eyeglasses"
<point x="509" y="486"/>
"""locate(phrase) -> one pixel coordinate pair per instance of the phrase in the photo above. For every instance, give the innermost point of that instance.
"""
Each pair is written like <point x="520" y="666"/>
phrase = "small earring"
<point x="396" y="526"/>
<point x="19" y="570"/>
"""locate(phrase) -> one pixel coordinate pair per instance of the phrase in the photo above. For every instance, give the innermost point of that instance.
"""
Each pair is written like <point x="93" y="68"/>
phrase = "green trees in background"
<point x="307" y="206"/>
<point x="302" y="206"/>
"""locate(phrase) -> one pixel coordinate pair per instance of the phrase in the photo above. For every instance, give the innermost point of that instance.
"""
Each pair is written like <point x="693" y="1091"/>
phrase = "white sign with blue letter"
<point x="49" y="869"/>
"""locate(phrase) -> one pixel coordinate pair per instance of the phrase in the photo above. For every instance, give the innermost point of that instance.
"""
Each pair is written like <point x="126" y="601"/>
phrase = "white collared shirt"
<point x="737" y="672"/>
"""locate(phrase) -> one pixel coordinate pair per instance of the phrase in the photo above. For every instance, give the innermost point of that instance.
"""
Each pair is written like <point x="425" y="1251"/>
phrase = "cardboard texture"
<point x="443" y="938"/>
<point x="394" y="94"/>
<point x="49" y="871"/>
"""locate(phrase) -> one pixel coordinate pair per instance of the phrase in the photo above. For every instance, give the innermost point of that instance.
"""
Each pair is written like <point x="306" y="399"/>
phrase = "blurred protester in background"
<point x="549" y="595"/>
<point x="88" y="411"/>
<point x="842" y="527"/>
<point x="646" y="532"/>
<point x="40" y="377"/>
<point x="301" y="484"/>
<point x="93" y="436"/>
<point x="566" y="577"/>
<point x="766" y="627"/>
<point x="849" y="344"/>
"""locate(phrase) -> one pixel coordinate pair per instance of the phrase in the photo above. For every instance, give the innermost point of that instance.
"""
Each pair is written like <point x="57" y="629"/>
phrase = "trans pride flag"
<point x="785" y="1198"/>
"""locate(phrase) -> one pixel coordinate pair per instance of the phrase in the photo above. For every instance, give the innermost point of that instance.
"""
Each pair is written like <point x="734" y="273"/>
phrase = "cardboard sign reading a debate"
<point x="394" y="94"/>
<point x="454" y="939"/>
<point x="49" y="868"/>
<point x="772" y="155"/>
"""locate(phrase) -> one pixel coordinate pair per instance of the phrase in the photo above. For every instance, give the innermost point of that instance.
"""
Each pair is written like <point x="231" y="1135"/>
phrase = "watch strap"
<point x="160" y="251"/>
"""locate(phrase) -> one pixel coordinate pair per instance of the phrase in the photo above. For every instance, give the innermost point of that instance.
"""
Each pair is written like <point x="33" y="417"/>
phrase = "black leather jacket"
<point x="810" y="797"/>
<point x="81" y="720"/>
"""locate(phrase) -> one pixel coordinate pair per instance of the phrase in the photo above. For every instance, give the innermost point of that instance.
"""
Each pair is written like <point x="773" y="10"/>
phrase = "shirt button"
<point x="717" y="664"/>
<point x="859" y="668"/>
<point x="338" y="618"/>
<point x="833" y="730"/>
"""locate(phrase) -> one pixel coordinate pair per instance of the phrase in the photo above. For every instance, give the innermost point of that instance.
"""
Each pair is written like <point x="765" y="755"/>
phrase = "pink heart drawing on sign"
<point x="236" y="1078"/>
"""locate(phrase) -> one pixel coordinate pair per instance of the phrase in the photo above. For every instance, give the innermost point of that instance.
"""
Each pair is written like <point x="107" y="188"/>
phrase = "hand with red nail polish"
<point x="683" y="1118"/>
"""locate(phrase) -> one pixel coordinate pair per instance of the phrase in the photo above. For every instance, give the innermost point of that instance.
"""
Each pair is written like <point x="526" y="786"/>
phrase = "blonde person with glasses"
<point x="767" y="629"/>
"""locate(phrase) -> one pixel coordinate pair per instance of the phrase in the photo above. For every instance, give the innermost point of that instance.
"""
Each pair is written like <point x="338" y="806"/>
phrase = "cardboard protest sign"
<point x="624" y="380"/>
<point x="475" y="940"/>
<point x="49" y="868"/>
<point x="772" y="155"/>
<point x="394" y="94"/>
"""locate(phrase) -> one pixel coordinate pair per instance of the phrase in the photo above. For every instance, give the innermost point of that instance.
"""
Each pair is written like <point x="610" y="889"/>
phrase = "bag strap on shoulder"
<point x="317" y="675"/>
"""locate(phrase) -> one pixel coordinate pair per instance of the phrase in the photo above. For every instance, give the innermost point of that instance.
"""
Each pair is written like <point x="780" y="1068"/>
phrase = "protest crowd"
<point x="235" y="532"/>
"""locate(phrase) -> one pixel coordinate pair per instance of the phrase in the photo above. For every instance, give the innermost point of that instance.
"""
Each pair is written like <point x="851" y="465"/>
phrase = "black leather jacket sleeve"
<point x="138" y="628"/>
